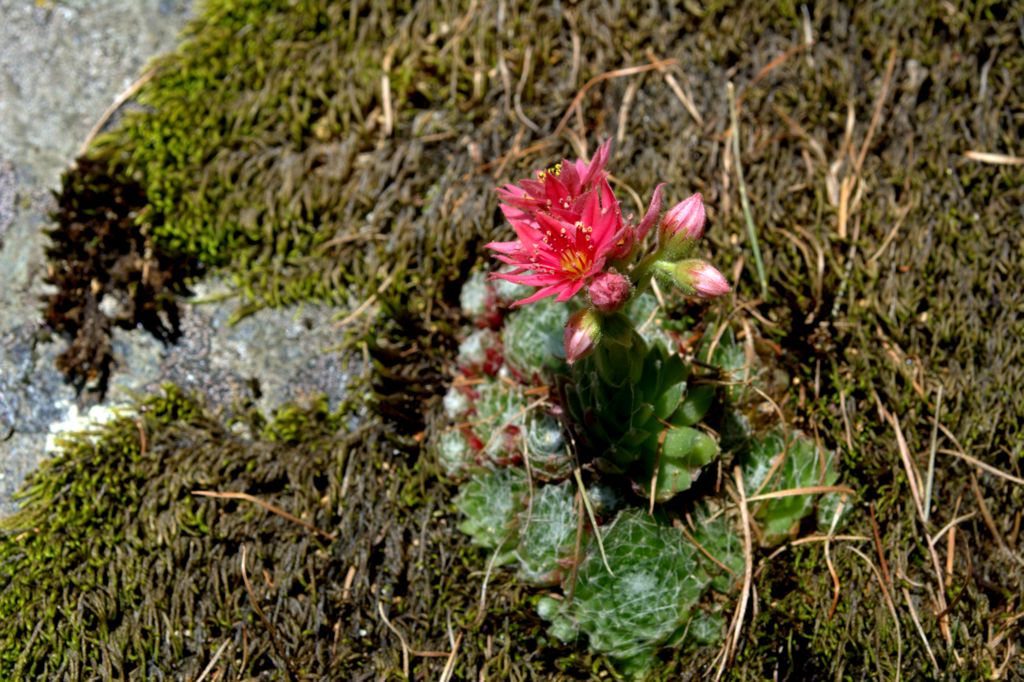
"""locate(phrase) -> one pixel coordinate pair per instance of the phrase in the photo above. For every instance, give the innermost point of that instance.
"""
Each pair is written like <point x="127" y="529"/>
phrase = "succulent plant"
<point x="456" y="403"/>
<point x="604" y="500"/>
<point x="480" y="353"/>
<point x="454" y="452"/>
<point x="734" y="431"/>
<point x="706" y="627"/>
<point x="730" y="358"/>
<point x="719" y="538"/>
<point x="533" y="339"/>
<point x="546" y="450"/>
<point x="637" y="417"/>
<point x="547" y="534"/>
<point x="656" y="580"/>
<point x="499" y="419"/>
<point x="477" y="296"/>
<point x="779" y="461"/>
<point x="491" y="503"/>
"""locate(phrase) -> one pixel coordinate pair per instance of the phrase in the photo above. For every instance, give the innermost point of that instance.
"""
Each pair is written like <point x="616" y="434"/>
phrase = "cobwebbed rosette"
<point x="589" y="424"/>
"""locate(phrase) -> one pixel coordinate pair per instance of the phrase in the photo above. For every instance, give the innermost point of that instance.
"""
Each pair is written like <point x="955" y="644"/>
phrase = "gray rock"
<point x="7" y="195"/>
<point x="266" y="359"/>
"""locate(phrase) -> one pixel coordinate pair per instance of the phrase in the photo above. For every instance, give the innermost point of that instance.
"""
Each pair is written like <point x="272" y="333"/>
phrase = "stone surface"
<point x="61" y="66"/>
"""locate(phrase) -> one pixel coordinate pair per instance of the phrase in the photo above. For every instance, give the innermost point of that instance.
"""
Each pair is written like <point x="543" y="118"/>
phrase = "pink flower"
<point x="558" y="190"/>
<point x="609" y="291"/>
<point x="582" y="334"/>
<point x="561" y="251"/>
<point x="685" y="219"/>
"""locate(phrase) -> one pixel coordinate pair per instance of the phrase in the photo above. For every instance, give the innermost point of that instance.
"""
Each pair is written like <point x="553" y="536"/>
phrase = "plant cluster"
<point x="581" y="426"/>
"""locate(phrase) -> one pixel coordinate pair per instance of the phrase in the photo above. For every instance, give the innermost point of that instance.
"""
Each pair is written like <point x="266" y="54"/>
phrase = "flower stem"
<point x="641" y="273"/>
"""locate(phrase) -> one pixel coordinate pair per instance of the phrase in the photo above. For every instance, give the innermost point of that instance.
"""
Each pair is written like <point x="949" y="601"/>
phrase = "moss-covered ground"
<point x="338" y="150"/>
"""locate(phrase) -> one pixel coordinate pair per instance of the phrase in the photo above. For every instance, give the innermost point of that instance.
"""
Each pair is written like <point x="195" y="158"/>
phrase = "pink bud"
<point x="694" y="276"/>
<point x="609" y="291"/>
<point x="685" y="219"/>
<point x="582" y="333"/>
<point x="708" y="281"/>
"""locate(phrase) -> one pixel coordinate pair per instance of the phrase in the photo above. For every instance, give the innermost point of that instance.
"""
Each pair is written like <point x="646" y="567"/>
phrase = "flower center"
<point x="575" y="263"/>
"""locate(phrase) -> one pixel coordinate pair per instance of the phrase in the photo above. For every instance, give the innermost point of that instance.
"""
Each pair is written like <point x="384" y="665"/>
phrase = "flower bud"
<point x="582" y="334"/>
<point x="695" y="276"/>
<point x="609" y="291"/>
<point x="685" y="220"/>
<point x="708" y="281"/>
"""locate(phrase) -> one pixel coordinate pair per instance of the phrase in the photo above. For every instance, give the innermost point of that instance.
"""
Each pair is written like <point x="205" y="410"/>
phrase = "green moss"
<point x="99" y="572"/>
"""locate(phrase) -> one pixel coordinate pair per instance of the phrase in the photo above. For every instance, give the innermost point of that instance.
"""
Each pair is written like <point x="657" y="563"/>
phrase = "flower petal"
<point x="651" y="216"/>
<point x="537" y="295"/>
<point x="597" y="162"/>
<point x="569" y="291"/>
<point x="504" y="247"/>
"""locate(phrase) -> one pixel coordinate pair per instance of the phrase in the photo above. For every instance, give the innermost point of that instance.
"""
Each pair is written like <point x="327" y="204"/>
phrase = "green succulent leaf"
<point x="618" y="330"/>
<point x="671" y="480"/>
<point x="618" y="366"/>
<point x="669" y="400"/>
<point x="673" y="371"/>
<point x="636" y="439"/>
<point x="785" y="462"/>
<point x="649" y="378"/>
<point x="695" y="406"/>
<point x="644" y="415"/>
<point x="688" y="446"/>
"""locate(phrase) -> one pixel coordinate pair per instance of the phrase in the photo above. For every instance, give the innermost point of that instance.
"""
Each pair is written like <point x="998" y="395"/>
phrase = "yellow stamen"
<point x="575" y="262"/>
<point x="555" y="170"/>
